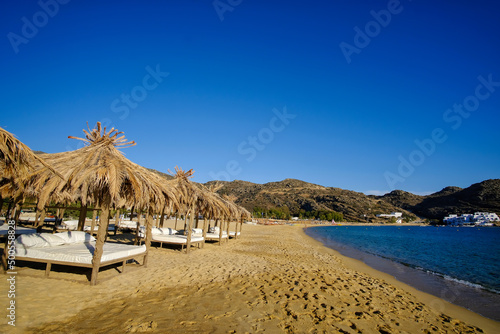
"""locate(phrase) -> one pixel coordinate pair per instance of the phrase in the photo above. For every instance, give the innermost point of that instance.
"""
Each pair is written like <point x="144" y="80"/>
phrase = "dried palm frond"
<point x="17" y="159"/>
<point x="99" y="174"/>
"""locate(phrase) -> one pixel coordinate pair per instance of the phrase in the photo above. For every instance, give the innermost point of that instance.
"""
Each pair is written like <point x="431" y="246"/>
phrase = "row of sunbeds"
<point x="76" y="248"/>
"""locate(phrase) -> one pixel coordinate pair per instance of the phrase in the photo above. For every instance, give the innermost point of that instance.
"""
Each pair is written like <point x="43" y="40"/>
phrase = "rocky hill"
<point x="483" y="196"/>
<point x="298" y="197"/>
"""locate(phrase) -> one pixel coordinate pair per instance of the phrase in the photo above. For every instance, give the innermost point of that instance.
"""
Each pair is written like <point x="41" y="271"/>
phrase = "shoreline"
<point x="273" y="279"/>
<point x="472" y="297"/>
<point x="434" y="302"/>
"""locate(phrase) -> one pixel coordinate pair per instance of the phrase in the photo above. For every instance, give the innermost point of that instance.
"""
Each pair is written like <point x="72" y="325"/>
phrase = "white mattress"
<point x="216" y="235"/>
<point x="80" y="252"/>
<point x="175" y="239"/>
<point x="127" y="224"/>
<point x="232" y="233"/>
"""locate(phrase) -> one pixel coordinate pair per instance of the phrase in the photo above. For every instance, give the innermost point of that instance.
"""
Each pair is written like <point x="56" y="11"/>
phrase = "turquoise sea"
<point x="458" y="264"/>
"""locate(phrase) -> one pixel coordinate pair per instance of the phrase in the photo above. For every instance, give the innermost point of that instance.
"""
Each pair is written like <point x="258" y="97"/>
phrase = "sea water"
<point x="458" y="264"/>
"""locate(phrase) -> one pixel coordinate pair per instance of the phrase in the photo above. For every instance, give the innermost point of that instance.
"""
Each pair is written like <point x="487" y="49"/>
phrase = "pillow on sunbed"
<point x="168" y="231"/>
<point x="197" y="230"/>
<point x="156" y="231"/>
<point x="214" y="229"/>
<point x="39" y="240"/>
<point x="74" y="237"/>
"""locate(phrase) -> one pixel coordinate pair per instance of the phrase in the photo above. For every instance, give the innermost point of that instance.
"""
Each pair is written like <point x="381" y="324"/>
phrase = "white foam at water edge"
<point x="456" y="280"/>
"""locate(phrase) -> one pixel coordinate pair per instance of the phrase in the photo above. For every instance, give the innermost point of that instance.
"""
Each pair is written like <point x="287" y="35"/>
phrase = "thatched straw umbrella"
<point x="212" y="206"/>
<point x="223" y="208"/>
<point x="16" y="162"/>
<point x="188" y="197"/>
<point x="100" y="175"/>
<point x="237" y="212"/>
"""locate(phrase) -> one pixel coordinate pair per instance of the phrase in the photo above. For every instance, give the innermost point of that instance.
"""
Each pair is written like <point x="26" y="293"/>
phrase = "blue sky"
<point x="352" y="94"/>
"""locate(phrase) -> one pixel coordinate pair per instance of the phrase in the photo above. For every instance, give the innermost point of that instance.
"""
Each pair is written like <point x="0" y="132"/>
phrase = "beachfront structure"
<point x="99" y="177"/>
<point x="16" y="161"/>
<point x="468" y="219"/>
<point x="397" y="215"/>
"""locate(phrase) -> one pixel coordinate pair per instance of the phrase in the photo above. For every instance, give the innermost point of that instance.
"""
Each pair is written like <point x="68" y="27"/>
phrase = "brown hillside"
<point x="298" y="195"/>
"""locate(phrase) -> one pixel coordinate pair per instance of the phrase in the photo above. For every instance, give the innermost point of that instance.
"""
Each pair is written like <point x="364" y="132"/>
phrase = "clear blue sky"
<point x="361" y="82"/>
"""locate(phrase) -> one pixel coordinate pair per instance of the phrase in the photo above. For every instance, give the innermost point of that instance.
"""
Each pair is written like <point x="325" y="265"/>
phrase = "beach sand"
<point x="273" y="279"/>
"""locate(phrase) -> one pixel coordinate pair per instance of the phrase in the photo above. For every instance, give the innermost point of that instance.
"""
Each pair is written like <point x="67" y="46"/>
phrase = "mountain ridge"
<point x="295" y="197"/>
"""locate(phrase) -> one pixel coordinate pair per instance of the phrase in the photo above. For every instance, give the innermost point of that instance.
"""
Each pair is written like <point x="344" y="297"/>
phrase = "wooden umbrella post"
<point x="101" y="236"/>
<point x="117" y="221"/>
<point x="221" y="229"/>
<point x="41" y="221"/>
<point x="228" y="228"/>
<point x="186" y="221"/>
<point x="81" y="218"/>
<point x="241" y="226"/>
<point x="94" y="219"/>
<point x="205" y="228"/>
<point x="162" y="218"/>
<point x="147" y="242"/>
<point x="176" y="215"/>
<point x="189" y="231"/>
<point x="18" y="212"/>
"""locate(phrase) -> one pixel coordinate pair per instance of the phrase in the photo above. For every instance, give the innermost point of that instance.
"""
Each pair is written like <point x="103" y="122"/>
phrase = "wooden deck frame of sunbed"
<point x="139" y="241"/>
<point x="193" y="243"/>
<point x="49" y="263"/>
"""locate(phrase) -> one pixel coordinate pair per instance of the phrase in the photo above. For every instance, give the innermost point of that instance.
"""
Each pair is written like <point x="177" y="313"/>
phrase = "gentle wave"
<point x="438" y="274"/>
<point x="461" y="266"/>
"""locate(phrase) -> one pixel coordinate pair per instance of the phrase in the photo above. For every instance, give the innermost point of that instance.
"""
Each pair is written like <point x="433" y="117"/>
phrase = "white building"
<point x="397" y="215"/>
<point x="468" y="219"/>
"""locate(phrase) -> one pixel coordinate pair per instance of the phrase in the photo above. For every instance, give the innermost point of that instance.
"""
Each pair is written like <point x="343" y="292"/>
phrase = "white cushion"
<point x="70" y="223"/>
<point x="73" y="237"/>
<point x="156" y="231"/>
<point x="168" y="231"/>
<point x="39" y="240"/>
<point x="197" y="230"/>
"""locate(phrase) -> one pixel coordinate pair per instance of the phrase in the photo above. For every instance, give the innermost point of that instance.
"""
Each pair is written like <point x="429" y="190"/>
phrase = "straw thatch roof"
<point x="15" y="157"/>
<point x="224" y="206"/>
<point x="100" y="175"/>
<point x="212" y="205"/>
<point x="16" y="162"/>
<point x="205" y="200"/>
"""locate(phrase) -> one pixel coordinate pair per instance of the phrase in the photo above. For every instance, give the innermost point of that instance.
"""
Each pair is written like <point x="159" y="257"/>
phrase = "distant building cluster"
<point x="397" y="215"/>
<point x="468" y="219"/>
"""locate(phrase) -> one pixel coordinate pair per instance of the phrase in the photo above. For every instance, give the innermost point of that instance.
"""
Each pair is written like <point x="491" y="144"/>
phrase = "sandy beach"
<point x="273" y="279"/>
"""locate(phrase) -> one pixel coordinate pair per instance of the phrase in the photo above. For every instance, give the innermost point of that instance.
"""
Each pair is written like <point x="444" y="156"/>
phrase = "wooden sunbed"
<point x="76" y="254"/>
